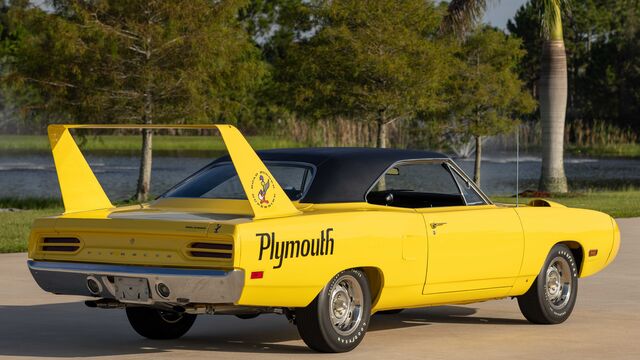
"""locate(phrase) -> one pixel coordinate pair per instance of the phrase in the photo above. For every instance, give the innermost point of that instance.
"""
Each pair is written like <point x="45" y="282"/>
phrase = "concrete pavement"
<point x="605" y="325"/>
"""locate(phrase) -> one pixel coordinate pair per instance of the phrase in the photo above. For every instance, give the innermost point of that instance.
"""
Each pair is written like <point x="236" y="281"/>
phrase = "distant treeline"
<point x="300" y="68"/>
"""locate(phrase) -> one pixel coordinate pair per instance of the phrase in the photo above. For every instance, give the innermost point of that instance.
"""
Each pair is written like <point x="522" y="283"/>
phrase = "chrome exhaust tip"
<point x="94" y="286"/>
<point x="163" y="290"/>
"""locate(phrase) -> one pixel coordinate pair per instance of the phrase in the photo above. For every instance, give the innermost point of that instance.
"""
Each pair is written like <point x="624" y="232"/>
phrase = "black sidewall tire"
<point x="148" y="323"/>
<point x="314" y="322"/>
<point x="534" y="304"/>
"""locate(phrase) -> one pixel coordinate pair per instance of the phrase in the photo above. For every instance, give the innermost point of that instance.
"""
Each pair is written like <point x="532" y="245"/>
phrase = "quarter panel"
<point x="393" y="242"/>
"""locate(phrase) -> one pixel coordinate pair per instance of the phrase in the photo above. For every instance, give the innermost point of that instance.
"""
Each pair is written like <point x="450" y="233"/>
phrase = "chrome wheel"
<point x="558" y="283"/>
<point x="346" y="305"/>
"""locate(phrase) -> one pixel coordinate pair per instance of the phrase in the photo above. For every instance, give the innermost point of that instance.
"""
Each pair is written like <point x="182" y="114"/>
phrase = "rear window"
<point x="220" y="181"/>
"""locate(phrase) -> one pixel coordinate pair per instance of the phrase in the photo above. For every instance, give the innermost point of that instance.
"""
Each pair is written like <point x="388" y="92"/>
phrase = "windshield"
<point x="220" y="181"/>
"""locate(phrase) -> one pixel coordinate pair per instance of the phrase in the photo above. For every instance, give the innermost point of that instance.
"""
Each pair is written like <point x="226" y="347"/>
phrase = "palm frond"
<point x="549" y="13"/>
<point x="462" y="15"/>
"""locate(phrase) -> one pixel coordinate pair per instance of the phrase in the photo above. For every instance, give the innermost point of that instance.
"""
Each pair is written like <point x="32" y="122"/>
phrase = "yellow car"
<point x="326" y="237"/>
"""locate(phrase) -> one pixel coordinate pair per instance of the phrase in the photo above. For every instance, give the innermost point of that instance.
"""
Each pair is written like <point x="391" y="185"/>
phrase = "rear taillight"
<point x="60" y="244"/>
<point x="212" y="250"/>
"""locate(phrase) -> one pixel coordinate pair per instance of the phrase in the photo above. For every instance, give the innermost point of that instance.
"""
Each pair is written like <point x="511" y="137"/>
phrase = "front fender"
<point x="547" y="226"/>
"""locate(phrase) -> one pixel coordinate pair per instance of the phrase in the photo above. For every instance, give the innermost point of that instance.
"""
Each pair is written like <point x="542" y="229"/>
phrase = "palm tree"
<point x="464" y="14"/>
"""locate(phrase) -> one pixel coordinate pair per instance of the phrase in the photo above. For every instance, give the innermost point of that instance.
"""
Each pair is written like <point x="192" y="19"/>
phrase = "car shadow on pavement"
<point x="73" y="330"/>
<point x="437" y="314"/>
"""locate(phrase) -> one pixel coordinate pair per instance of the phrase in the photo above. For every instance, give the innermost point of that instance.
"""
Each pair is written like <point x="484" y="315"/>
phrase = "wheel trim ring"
<point x="558" y="283"/>
<point x="348" y="323"/>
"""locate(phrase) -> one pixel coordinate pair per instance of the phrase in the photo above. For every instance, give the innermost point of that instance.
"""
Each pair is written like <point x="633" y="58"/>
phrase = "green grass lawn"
<point x="613" y="150"/>
<point x="14" y="226"/>
<point x="130" y="144"/>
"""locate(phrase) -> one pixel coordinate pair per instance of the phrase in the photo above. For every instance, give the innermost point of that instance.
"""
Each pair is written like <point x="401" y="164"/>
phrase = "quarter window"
<point x="470" y="194"/>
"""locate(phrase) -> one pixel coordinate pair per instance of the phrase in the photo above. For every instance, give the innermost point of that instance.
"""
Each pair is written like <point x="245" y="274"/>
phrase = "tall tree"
<point x="486" y="94"/>
<point x="275" y="24"/>
<point x="377" y="61"/>
<point x="552" y="85"/>
<point x="601" y="38"/>
<point x="136" y="61"/>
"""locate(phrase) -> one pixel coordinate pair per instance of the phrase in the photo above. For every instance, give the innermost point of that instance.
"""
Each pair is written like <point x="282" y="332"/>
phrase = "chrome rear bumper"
<point x="186" y="285"/>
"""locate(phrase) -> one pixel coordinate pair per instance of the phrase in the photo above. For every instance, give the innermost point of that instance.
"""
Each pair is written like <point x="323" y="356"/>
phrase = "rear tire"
<point x="338" y="317"/>
<point x="552" y="296"/>
<point x="159" y="325"/>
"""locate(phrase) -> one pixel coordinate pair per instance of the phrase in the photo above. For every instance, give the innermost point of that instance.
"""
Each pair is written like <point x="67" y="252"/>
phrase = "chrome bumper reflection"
<point x="186" y="285"/>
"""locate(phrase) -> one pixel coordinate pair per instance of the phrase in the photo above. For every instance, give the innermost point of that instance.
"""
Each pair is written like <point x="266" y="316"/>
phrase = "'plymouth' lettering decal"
<point x="280" y="250"/>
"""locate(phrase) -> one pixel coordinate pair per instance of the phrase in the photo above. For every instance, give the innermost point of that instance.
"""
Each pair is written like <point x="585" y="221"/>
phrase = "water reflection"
<point x="34" y="175"/>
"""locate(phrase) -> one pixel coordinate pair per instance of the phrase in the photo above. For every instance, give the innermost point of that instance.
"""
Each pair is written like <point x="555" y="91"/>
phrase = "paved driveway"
<point x="605" y="325"/>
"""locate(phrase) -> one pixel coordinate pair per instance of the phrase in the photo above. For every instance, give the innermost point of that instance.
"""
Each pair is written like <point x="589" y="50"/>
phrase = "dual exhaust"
<point x="95" y="288"/>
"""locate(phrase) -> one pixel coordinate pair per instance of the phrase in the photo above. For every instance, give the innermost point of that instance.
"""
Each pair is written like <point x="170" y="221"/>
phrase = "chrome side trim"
<point x="186" y="285"/>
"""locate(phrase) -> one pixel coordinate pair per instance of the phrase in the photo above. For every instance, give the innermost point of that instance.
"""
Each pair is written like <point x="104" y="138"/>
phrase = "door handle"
<point x="435" y="225"/>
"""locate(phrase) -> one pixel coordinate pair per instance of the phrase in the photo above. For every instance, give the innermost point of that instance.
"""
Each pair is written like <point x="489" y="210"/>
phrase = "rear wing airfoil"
<point x="81" y="190"/>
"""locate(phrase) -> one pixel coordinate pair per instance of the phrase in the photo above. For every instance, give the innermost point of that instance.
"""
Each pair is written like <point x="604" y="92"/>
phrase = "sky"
<point x="500" y="11"/>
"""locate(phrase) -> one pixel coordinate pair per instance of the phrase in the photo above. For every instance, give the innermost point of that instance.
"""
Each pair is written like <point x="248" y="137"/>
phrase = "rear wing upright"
<point x="81" y="190"/>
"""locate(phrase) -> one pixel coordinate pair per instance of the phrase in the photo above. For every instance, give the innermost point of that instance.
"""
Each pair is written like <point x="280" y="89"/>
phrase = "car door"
<point x="472" y="244"/>
<point x="475" y="246"/>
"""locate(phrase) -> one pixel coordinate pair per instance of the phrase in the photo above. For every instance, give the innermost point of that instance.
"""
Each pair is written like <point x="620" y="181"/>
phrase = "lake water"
<point x="34" y="175"/>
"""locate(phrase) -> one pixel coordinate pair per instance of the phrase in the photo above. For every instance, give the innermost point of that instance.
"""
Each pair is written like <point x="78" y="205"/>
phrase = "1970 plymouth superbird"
<point x="325" y="236"/>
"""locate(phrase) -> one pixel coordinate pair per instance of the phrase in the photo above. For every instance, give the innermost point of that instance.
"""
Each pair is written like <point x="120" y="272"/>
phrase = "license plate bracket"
<point x="129" y="289"/>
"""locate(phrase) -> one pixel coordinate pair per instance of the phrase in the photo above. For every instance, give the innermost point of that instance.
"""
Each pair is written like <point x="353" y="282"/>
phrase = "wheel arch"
<point x="375" y="278"/>
<point x="577" y="250"/>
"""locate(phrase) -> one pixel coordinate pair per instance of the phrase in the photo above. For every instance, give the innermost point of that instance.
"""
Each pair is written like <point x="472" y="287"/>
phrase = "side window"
<point x="417" y="185"/>
<point x="470" y="194"/>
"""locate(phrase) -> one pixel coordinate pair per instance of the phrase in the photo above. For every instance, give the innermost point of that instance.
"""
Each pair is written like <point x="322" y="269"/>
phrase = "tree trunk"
<point x="553" y="107"/>
<point x="382" y="132"/>
<point x="144" y="178"/>
<point x="476" y="172"/>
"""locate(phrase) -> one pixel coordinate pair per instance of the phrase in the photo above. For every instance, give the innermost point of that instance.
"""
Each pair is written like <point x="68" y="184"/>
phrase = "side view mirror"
<point x="393" y="171"/>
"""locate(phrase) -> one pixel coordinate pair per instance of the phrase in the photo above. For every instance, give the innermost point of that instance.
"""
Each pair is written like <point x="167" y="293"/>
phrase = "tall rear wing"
<point x="81" y="190"/>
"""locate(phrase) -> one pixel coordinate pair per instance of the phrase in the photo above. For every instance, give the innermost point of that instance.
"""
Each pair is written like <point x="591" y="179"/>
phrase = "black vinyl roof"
<point x="342" y="174"/>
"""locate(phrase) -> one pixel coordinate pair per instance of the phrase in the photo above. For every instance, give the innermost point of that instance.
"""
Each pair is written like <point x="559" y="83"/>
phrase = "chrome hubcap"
<point x="558" y="283"/>
<point x="346" y="305"/>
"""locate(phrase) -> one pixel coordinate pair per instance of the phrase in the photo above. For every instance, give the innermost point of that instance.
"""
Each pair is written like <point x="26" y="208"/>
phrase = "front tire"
<point x="159" y="325"/>
<point x="552" y="296"/>
<point x="338" y="317"/>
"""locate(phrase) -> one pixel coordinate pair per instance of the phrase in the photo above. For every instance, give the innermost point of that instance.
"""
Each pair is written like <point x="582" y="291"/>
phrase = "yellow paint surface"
<point x="412" y="257"/>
